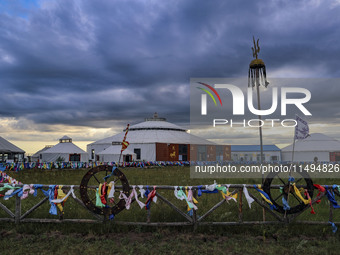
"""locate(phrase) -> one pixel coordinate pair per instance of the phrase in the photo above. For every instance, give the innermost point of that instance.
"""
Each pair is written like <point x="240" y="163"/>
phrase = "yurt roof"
<point x="65" y="137"/>
<point x="64" y="148"/>
<point x="7" y="147"/>
<point x="155" y="130"/>
<point x="155" y="136"/>
<point x="156" y="125"/>
<point x="241" y="148"/>
<point x="40" y="151"/>
<point x="115" y="150"/>
<point x="315" y="142"/>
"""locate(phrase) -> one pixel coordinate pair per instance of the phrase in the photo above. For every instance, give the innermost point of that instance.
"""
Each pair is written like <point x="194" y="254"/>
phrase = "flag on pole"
<point x="125" y="143"/>
<point x="301" y="128"/>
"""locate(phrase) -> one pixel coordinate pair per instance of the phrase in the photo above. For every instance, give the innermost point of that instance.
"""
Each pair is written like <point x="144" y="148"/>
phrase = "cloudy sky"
<point x="86" y="68"/>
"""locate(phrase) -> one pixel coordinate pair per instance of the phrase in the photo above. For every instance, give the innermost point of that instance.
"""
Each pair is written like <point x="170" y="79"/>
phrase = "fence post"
<point x="194" y="214"/>
<point x="240" y="213"/>
<point x="330" y="212"/>
<point x="148" y="215"/>
<point x="17" y="209"/>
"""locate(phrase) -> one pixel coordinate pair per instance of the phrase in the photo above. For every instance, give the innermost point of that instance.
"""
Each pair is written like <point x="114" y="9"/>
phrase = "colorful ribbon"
<point x="111" y="190"/>
<point x="141" y="190"/>
<point x="250" y="200"/>
<point x="151" y="197"/>
<point x="265" y="196"/>
<point x="182" y="196"/>
<point x="298" y="193"/>
<point x="334" y="227"/>
<point x="286" y="206"/>
<point x="98" y="199"/>
<point x="330" y="196"/>
<point x="321" y="190"/>
<point x="128" y="200"/>
<point x="103" y="193"/>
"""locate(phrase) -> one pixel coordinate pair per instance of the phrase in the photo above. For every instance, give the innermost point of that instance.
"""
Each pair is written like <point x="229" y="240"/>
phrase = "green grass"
<point x="109" y="238"/>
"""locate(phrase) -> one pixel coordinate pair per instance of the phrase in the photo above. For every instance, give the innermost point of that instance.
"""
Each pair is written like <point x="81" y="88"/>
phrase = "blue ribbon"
<point x="14" y="193"/>
<point x="286" y="206"/>
<point x="291" y="179"/>
<point x="39" y="186"/>
<point x="199" y="190"/>
<point x="208" y="191"/>
<point x="190" y="213"/>
<point x="53" y="209"/>
<point x="334" y="227"/>
<point x="48" y="193"/>
<point x="147" y="192"/>
<point x="272" y="206"/>
<point x="108" y="176"/>
<point x="331" y="198"/>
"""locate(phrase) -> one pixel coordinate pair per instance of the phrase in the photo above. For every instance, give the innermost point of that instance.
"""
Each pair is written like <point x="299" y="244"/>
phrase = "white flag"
<point x="301" y="128"/>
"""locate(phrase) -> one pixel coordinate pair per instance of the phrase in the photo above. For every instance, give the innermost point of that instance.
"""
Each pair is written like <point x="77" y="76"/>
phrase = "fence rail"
<point x="18" y="216"/>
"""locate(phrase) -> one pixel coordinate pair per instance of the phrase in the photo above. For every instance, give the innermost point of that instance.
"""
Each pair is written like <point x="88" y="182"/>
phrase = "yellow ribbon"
<point x="100" y="189"/>
<point x="109" y="187"/>
<point x="228" y="194"/>
<point x="193" y="199"/>
<point x="61" y="195"/>
<point x="263" y="196"/>
<point x="298" y="193"/>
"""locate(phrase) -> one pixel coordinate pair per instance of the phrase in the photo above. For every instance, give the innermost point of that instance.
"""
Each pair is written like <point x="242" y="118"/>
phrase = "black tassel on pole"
<point x="257" y="75"/>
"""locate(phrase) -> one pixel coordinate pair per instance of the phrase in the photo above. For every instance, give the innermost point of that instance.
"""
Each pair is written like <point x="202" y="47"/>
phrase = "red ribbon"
<point x="310" y="201"/>
<point x="102" y="196"/>
<point x="151" y="195"/>
<point x="321" y="190"/>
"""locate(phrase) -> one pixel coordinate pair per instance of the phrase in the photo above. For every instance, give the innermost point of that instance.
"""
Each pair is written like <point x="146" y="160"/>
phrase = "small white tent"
<point x="112" y="154"/>
<point x="316" y="146"/>
<point x="64" y="151"/>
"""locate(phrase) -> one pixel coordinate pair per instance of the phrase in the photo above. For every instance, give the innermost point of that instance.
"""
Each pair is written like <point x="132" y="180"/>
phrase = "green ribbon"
<point x="181" y="194"/>
<point x="222" y="188"/>
<point x="7" y="186"/>
<point x="98" y="200"/>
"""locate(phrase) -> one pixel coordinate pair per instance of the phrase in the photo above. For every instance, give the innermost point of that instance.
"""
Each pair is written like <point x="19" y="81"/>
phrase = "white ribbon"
<point x="246" y="194"/>
<point x="112" y="191"/>
<point x="58" y="201"/>
<point x="211" y="187"/>
<point x="227" y="198"/>
<point x="25" y="193"/>
<point x="128" y="200"/>
<point x="176" y="193"/>
<point x="190" y="195"/>
<point x="8" y="192"/>
<point x="141" y="190"/>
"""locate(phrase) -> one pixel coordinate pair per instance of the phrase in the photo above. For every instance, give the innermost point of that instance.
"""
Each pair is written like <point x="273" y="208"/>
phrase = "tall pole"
<point x="257" y="77"/>
<point x="260" y="118"/>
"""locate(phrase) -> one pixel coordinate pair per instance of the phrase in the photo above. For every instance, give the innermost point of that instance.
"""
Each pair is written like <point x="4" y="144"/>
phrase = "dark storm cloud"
<point x="89" y="62"/>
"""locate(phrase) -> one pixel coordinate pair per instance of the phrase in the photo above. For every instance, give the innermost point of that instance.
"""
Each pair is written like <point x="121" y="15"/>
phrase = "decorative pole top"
<point x="256" y="63"/>
<point x="256" y="48"/>
<point x="257" y="69"/>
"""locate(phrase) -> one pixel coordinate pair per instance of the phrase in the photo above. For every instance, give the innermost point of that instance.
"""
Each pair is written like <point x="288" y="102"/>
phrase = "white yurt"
<point x="112" y="154"/>
<point x="36" y="157"/>
<point x="64" y="151"/>
<point x="9" y="152"/>
<point x="155" y="139"/>
<point x="317" y="146"/>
